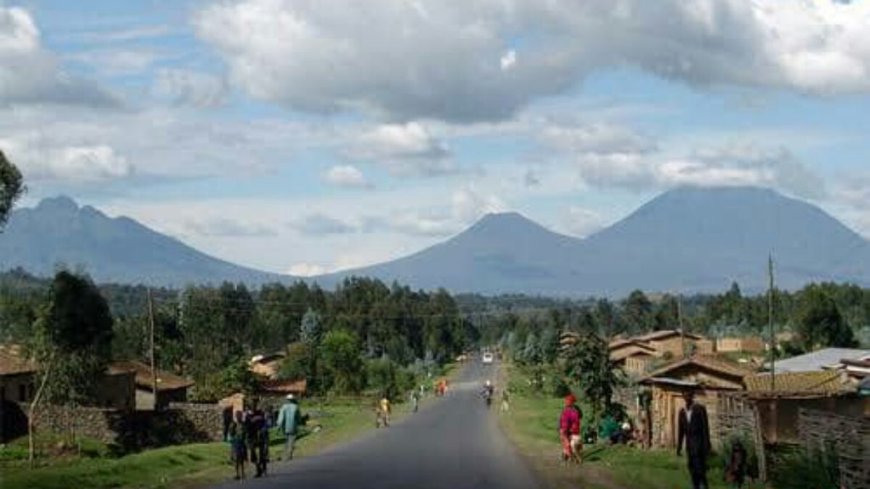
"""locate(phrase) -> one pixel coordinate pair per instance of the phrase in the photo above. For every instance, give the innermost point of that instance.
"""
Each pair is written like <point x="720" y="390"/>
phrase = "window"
<point x="22" y="392"/>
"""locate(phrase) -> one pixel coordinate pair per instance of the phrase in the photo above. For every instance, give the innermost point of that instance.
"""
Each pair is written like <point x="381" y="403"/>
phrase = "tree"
<point x="588" y="361"/>
<point x="310" y="330"/>
<point x="820" y="322"/>
<point x="342" y="365"/>
<point x="637" y="314"/>
<point x="72" y="343"/>
<point x="11" y="187"/>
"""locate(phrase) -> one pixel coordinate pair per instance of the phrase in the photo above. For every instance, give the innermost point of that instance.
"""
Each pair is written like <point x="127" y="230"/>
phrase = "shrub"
<point x="808" y="469"/>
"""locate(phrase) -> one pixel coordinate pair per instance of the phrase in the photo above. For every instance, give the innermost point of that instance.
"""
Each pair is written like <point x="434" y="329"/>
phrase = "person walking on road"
<point x="289" y="419"/>
<point x="236" y="436"/>
<point x="694" y="428"/>
<point x="569" y="431"/>
<point x="258" y="439"/>
<point x="415" y="400"/>
<point x="384" y="409"/>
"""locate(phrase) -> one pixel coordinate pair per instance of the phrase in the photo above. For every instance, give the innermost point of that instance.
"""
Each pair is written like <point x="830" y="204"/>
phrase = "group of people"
<point x="693" y="433"/>
<point x="247" y="432"/>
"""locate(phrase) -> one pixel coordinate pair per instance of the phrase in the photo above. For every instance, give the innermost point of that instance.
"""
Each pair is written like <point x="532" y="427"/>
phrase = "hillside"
<point x="59" y="232"/>
<point x="685" y="240"/>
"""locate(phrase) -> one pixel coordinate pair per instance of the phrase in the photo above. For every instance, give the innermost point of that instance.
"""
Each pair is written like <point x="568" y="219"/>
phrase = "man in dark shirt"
<point x="695" y="430"/>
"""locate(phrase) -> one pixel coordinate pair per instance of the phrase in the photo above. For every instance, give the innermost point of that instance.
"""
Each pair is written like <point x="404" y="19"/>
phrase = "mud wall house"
<point x="709" y="377"/>
<point x="171" y="388"/>
<point x="778" y="403"/>
<point x="115" y="389"/>
<point x="747" y="344"/>
<point x="634" y="357"/>
<point x="671" y="342"/>
<point x="267" y="366"/>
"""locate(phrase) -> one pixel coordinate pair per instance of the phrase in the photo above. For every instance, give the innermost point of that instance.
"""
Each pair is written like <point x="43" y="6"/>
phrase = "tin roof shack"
<point x="706" y="376"/>
<point x="779" y="406"/>
<point x="170" y="387"/>
<point x="826" y="358"/>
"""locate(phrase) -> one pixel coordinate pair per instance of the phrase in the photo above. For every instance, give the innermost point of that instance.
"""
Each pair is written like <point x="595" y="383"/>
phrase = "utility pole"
<point x="153" y="370"/>
<point x="770" y="323"/>
<point x="680" y="323"/>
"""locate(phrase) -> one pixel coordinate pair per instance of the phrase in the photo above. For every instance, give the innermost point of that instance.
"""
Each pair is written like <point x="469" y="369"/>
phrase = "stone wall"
<point x="134" y="430"/>
<point x="97" y="423"/>
<point x="847" y="435"/>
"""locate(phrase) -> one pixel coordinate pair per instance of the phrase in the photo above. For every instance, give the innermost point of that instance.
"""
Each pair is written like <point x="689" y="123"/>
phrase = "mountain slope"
<point x="693" y="239"/>
<point x="686" y="240"/>
<point x="500" y="253"/>
<point x="58" y="231"/>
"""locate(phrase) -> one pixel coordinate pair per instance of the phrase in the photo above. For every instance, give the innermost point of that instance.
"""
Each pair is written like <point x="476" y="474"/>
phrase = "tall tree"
<point x="820" y="322"/>
<point x="72" y="343"/>
<point x="588" y="362"/>
<point x="342" y="363"/>
<point x="637" y="313"/>
<point x="11" y="187"/>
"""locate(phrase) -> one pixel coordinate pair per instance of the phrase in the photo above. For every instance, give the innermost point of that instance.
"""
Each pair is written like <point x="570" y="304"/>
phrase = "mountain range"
<point x="685" y="240"/>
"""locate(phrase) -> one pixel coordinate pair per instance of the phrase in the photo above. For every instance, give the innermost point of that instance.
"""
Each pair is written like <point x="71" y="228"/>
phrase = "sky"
<point x="305" y="136"/>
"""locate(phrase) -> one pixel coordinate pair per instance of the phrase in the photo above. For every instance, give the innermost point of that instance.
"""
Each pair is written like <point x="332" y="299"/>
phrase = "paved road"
<point x="452" y="443"/>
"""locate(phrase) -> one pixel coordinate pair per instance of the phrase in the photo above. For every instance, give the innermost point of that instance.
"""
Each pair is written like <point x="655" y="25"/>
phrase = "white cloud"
<point x="447" y="60"/>
<point x="225" y="227"/>
<point x="306" y="270"/>
<point x="322" y="225"/>
<point x="346" y="176"/>
<point x="30" y="74"/>
<point x="596" y="138"/>
<point x="508" y="60"/>
<point x="582" y="222"/>
<point x="404" y="149"/>
<point x="190" y="88"/>
<point x="113" y="61"/>
<point x="43" y="159"/>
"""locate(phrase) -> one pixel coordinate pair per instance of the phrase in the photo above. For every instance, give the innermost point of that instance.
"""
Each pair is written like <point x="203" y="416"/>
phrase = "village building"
<point x="746" y="344"/>
<point x="675" y="343"/>
<point x="268" y="365"/>
<point x="170" y="387"/>
<point x="705" y="375"/>
<point x="824" y="359"/>
<point x="18" y="381"/>
<point x="634" y="357"/>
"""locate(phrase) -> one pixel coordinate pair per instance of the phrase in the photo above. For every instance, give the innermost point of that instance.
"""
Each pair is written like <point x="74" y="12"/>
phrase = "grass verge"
<point x="531" y="424"/>
<point x="180" y="467"/>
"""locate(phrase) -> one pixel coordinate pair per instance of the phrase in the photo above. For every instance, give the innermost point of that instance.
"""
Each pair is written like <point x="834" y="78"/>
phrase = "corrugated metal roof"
<point x="824" y="381"/>
<point x="819" y="360"/>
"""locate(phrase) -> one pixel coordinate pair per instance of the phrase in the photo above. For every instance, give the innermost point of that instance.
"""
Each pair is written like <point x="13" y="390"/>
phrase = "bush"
<point x="808" y="470"/>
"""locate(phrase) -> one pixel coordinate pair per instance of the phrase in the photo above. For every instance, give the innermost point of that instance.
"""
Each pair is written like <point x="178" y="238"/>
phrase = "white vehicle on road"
<point x="487" y="357"/>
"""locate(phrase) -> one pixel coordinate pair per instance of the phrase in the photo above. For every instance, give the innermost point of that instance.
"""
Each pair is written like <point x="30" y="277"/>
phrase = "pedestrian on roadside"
<point x="694" y="428"/>
<point x="258" y="439"/>
<point x="505" y="400"/>
<point x="236" y="436"/>
<point x="415" y="400"/>
<point x="569" y="431"/>
<point x="384" y="409"/>
<point x="289" y="419"/>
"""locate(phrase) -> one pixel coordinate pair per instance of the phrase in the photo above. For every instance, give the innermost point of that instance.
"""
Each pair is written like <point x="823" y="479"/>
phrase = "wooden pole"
<point x="770" y="324"/>
<point x="153" y="369"/>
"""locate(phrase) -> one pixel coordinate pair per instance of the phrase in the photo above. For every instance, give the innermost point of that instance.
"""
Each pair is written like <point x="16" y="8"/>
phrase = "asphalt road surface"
<point x="453" y="442"/>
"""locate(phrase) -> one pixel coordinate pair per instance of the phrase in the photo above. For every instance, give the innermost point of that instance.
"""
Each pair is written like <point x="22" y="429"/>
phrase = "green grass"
<point x="531" y="425"/>
<point x="186" y="466"/>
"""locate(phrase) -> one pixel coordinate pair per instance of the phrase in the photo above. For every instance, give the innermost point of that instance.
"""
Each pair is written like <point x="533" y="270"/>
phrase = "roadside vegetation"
<point x="531" y="424"/>
<point x="96" y="466"/>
